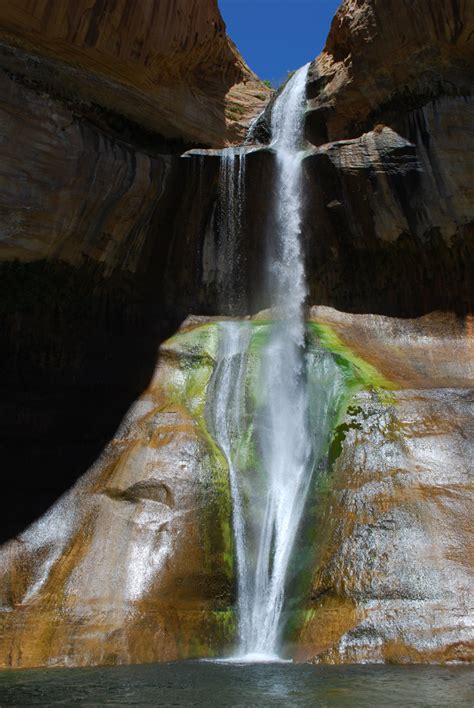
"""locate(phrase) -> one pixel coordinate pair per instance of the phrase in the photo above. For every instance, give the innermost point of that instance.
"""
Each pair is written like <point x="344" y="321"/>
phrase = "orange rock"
<point x="392" y="580"/>
<point x="383" y="58"/>
<point x="167" y="66"/>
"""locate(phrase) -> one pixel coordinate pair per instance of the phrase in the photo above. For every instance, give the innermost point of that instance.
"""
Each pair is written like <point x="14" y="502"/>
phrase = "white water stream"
<point x="268" y="504"/>
<point x="284" y="437"/>
<point x="231" y="203"/>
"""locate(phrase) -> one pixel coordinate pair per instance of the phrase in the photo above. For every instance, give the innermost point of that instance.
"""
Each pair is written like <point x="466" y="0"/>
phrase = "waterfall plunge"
<point x="283" y="426"/>
<point x="288" y="432"/>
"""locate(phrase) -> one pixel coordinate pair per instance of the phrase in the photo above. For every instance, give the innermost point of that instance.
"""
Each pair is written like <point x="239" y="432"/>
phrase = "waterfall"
<point x="284" y="437"/>
<point x="284" y="424"/>
<point x="227" y="393"/>
<point x="231" y="201"/>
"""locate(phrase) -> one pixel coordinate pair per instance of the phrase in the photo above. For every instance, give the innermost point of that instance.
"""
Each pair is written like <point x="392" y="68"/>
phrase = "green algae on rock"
<point x="162" y="486"/>
<point x="134" y="564"/>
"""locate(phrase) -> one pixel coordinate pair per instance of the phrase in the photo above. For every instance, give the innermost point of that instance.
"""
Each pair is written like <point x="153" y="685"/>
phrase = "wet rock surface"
<point x="393" y="567"/>
<point x="135" y="563"/>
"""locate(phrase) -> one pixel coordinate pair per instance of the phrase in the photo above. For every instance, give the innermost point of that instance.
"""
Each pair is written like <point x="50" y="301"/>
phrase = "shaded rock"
<point x="133" y="564"/>
<point x="389" y="219"/>
<point x="387" y="222"/>
<point x="69" y="191"/>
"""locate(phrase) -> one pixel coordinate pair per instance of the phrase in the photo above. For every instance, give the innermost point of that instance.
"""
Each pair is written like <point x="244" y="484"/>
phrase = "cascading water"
<point x="231" y="201"/>
<point x="270" y="404"/>
<point x="284" y="434"/>
<point x="227" y="421"/>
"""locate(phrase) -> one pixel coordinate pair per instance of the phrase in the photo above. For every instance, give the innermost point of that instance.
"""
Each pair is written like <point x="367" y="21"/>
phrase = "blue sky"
<point x="277" y="36"/>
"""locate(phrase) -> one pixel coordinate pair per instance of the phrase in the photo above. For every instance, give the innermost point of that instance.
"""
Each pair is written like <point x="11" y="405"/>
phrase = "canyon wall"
<point x="390" y="111"/>
<point x="389" y="217"/>
<point x="167" y="67"/>
<point x="109" y="238"/>
<point x="97" y="102"/>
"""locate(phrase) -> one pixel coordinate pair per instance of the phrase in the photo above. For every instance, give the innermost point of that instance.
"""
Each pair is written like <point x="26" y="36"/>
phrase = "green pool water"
<point x="214" y="684"/>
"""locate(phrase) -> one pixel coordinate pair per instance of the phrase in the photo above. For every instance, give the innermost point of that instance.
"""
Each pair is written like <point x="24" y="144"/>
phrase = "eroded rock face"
<point x="389" y="219"/>
<point x="69" y="191"/>
<point x="383" y="59"/>
<point x="167" y="66"/>
<point x="393" y="571"/>
<point x="134" y="564"/>
<point x="389" y="215"/>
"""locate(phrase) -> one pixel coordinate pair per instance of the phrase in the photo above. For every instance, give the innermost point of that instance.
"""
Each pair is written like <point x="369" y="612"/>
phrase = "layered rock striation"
<point x="168" y="67"/>
<point x="97" y="102"/>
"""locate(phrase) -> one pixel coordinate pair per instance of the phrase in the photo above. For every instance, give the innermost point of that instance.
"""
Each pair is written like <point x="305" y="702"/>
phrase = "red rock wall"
<point x="168" y="66"/>
<point x="383" y="58"/>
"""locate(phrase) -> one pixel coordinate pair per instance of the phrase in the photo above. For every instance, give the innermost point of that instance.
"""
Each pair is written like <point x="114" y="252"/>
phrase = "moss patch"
<point x="195" y="353"/>
<point x="356" y="375"/>
<point x="359" y="373"/>
<point x="344" y="370"/>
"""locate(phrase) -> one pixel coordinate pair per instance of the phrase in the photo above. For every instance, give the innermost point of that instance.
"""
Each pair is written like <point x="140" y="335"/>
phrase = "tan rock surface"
<point x="394" y="560"/>
<point x="168" y="66"/>
<point x="134" y="564"/>
<point x="383" y="58"/>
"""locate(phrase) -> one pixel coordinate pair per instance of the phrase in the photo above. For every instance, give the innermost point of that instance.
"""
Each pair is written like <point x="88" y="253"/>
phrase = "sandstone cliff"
<point x="97" y="101"/>
<point x="167" y="66"/>
<point x="109" y="239"/>
<point x="390" y="109"/>
<point x="386" y="58"/>
<point x="389" y="202"/>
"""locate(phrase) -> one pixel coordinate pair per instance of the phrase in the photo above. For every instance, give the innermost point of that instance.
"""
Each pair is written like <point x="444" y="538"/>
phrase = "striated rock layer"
<point x="97" y="100"/>
<point x="167" y="66"/>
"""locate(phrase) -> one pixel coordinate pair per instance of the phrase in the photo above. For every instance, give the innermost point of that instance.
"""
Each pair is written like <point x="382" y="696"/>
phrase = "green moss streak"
<point x="358" y="375"/>
<point x="196" y="350"/>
